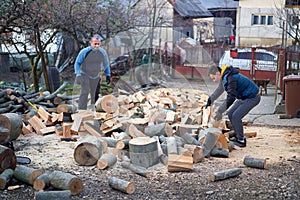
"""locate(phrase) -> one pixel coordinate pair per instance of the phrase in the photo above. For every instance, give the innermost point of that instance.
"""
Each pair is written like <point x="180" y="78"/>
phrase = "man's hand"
<point x="78" y="79"/>
<point x="108" y="80"/>
<point x="208" y="103"/>
<point x="218" y="116"/>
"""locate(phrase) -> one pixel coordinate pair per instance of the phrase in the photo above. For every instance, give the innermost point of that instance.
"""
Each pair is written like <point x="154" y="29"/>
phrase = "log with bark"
<point x="143" y="151"/>
<point x="121" y="185"/>
<point x="66" y="181"/>
<point x="225" y="174"/>
<point x="106" y="160"/>
<point x="57" y="195"/>
<point x="7" y="158"/>
<point x="88" y="151"/>
<point x="142" y="171"/>
<point x="5" y="178"/>
<point x="107" y="103"/>
<point x="255" y="162"/>
<point x="42" y="181"/>
<point x="13" y="122"/>
<point x="26" y="174"/>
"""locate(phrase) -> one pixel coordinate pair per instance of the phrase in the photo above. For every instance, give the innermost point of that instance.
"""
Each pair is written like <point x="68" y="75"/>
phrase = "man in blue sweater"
<point x="242" y="95"/>
<point x="89" y="64"/>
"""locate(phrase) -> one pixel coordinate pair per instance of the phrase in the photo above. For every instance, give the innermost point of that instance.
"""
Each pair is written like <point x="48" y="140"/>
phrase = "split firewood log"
<point x="177" y="163"/>
<point x="121" y="185"/>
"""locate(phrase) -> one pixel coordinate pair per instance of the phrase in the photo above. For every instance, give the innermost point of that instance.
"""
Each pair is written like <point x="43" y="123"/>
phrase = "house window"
<point x="262" y="20"/>
<point x="270" y="20"/>
<point x="255" y="19"/>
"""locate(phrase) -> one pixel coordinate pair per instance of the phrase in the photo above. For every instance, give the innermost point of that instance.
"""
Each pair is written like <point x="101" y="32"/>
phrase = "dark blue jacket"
<point x="237" y="85"/>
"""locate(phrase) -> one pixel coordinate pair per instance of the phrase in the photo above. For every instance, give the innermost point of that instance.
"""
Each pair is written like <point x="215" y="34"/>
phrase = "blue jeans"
<point x="237" y="111"/>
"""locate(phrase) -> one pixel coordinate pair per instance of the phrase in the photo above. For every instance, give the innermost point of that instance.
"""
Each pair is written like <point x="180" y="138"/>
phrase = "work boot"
<point x="239" y="143"/>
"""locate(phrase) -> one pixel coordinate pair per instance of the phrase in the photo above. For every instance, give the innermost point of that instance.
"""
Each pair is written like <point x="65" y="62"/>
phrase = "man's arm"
<point x="79" y="60"/>
<point x="106" y="65"/>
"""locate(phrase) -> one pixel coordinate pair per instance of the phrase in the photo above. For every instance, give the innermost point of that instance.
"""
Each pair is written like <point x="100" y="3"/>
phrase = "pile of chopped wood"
<point x="164" y="125"/>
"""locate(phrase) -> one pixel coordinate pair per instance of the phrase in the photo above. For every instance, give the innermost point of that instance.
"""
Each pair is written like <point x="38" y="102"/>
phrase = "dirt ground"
<point x="280" y="179"/>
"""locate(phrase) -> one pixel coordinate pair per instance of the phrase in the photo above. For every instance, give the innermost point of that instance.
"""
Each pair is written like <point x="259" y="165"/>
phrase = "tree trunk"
<point x="41" y="182"/>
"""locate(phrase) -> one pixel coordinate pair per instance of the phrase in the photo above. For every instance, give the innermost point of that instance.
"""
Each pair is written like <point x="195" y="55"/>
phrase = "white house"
<point x="259" y="23"/>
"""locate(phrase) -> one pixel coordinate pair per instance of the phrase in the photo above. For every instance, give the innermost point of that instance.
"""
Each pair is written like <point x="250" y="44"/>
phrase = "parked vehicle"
<point x="242" y="59"/>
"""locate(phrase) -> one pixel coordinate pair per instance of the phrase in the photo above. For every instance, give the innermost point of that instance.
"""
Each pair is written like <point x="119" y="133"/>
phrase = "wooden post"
<point x="255" y="162"/>
<point x="221" y="175"/>
<point x="121" y="185"/>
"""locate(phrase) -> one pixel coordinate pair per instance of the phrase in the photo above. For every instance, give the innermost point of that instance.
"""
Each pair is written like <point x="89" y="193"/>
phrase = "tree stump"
<point x="66" y="181"/>
<point x="88" y="151"/>
<point x="255" y="162"/>
<point x="7" y="158"/>
<point x="221" y="175"/>
<point x="26" y="174"/>
<point x="57" y="195"/>
<point x="121" y="185"/>
<point x="5" y="177"/>
<point x="107" y="103"/>
<point x="13" y="122"/>
<point x="106" y="160"/>
<point x="143" y="151"/>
